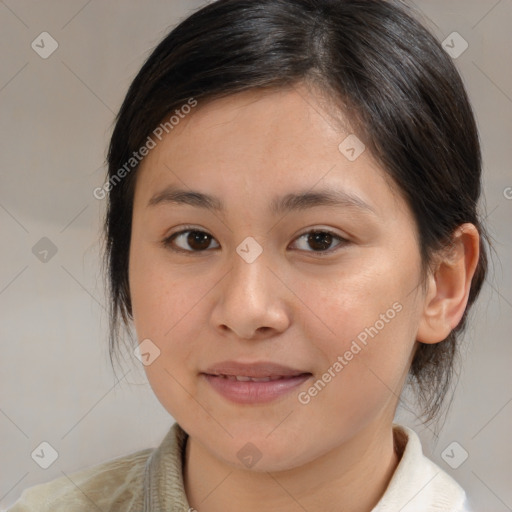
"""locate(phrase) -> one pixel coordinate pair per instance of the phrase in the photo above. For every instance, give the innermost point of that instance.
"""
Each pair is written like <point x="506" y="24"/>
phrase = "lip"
<point x="221" y="377"/>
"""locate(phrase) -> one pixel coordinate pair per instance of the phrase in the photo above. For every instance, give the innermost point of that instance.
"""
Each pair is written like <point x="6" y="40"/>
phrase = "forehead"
<point x="256" y="144"/>
<point x="276" y="119"/>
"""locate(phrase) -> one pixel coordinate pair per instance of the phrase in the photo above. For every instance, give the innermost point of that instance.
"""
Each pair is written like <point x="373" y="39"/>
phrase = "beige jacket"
<point x="151" y="480"/>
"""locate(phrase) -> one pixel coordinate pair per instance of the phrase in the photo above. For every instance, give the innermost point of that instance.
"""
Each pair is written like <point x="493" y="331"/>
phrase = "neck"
<point x="353" y="477"/>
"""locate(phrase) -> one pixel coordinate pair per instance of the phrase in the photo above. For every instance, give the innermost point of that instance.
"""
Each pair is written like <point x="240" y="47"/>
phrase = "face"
<point x="319" y="295"/>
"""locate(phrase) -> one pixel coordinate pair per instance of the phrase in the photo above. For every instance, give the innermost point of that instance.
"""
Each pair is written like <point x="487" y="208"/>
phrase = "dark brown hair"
<point x="377" y="64"/>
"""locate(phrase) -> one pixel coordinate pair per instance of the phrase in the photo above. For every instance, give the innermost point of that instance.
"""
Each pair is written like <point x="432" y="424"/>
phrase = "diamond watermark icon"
<point x="44" y="45"/>
<point x="249" y="455"/>
<point x="352" y="147"/>
<point x="454" y="455"/>
<point x="249" y="249"/>
<point x="146" y="352"/>
<point x="44" y="250"/>
<point x="455" y="45"/>
<point x="44" y="455"/>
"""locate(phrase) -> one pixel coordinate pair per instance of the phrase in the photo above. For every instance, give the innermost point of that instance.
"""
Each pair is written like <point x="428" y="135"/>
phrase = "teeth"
<point x="244" y="378"/>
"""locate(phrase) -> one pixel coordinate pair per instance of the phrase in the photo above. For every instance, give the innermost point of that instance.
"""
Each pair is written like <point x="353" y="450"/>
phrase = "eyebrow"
<point x="296" y="201"/>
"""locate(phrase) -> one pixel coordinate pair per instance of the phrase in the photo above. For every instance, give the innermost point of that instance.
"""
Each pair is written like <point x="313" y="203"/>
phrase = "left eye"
<point x="194" y="240"/>
<point x="321" y="241"/>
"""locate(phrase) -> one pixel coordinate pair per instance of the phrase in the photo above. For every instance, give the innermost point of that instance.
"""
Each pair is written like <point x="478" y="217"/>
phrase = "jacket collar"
<point x="164" y="489"/>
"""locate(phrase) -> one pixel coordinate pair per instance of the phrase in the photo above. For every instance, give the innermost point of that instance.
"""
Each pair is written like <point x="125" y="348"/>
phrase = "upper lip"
<point x="255" y="370"/>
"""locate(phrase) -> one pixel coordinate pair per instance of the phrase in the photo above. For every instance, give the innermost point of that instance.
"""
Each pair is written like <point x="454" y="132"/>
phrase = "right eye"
<point x="189" y="240"/>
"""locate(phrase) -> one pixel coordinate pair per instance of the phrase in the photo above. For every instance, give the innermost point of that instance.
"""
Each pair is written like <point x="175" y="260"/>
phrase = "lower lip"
<point x="250" y="392"/>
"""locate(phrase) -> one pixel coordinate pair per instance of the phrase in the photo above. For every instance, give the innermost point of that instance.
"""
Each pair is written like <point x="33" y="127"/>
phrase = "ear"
<point x="448" y="285"/>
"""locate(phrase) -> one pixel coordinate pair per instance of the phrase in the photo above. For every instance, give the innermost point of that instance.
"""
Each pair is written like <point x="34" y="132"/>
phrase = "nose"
<point x="251" y="301"/>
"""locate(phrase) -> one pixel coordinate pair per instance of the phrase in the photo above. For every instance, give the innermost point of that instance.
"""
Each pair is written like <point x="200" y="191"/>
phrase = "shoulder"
<point x="418" y="484"/>
<point x="111" y="486"/>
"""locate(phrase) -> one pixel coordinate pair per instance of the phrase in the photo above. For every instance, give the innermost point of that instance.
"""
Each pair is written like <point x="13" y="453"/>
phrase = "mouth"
<point x="253" y="383"/>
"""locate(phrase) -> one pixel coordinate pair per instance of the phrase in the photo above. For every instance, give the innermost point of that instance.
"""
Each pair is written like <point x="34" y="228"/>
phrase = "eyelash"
<point x="167" y="242"/>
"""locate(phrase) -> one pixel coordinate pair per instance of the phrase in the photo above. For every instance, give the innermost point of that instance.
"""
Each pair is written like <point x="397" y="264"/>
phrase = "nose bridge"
<point x="248" y="280"/>
<point x="250" y="299"/>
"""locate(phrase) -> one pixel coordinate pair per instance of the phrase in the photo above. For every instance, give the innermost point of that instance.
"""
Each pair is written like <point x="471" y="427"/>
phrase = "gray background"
<point x="56" y="383"/>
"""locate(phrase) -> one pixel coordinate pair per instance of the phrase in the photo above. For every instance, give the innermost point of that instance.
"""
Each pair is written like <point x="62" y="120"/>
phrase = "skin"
<point x="291" y="305"/>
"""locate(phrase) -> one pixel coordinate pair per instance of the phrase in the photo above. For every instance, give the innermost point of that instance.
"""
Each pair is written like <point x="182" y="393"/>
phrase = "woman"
<point x="292" y="230"/>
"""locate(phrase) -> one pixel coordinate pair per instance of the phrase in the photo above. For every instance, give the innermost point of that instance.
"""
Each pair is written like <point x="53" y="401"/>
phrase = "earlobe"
<point x="448" y="285"/>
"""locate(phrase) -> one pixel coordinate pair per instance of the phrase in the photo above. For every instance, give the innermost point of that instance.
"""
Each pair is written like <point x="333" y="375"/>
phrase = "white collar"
<point x="419" y="485"/>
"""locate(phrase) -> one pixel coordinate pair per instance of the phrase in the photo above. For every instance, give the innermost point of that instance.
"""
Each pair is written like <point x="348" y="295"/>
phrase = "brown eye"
<point x="320" y="241"/>
<point x="190" y="240"/>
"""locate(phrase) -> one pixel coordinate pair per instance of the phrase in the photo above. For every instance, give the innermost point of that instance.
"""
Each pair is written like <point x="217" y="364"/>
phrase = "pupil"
<point x="198" y="240"/>
<point x="320" y="241"/>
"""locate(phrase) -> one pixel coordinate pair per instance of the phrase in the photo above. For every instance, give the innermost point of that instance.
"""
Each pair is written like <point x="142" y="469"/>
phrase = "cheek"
<point x="368" y="319"/>
<point x="342" y="306"/>
<point x="162" y="296"/>
<point x="162" y="304"/>
<point x="363" y="369"/>
<point x="168" y="308"/>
